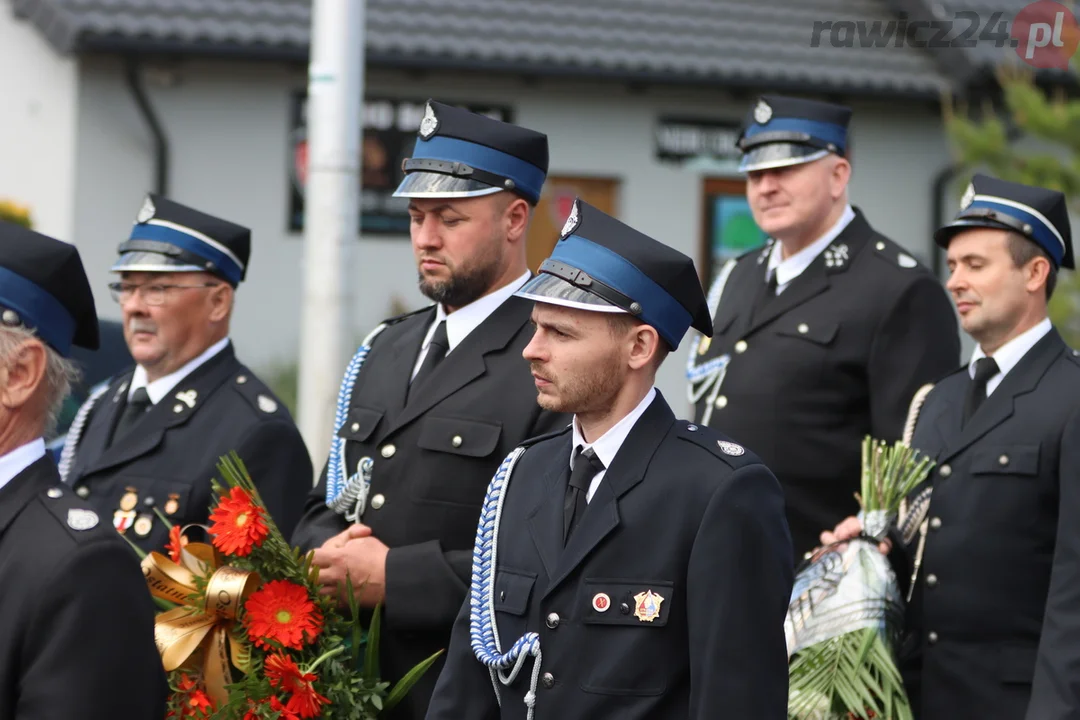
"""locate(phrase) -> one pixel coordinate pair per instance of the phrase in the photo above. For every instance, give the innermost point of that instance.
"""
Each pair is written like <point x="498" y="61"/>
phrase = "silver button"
<point x="880" y="246"/>
<point x="931" y="637"/>
<point x="388" y="450"/>
<point x="692" y="428"/>
<point x="178" y="408"/>
<point x="931" y="580"/>
<point x="548" y="680"/>
<point x="935" y="523"/>
<point x="740" y="347"/>
<point x="721" y="402"/>
<point x="803" y="328"/>
<point x="55" y="493"/>
<point x="1003" y="460"/>
<point x="456" y="441"/>
<point x="82" y="491"/>
<point x="553" y="620"/>
<point x="378" y="501"/>
<point x="355" y="427"/>
<point x="502" y="595"/>
<point x="241" y="379"/>
<point x="945" y="471"/>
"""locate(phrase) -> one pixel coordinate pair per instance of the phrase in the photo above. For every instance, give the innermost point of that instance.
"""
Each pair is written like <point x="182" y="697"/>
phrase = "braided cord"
<point x="347" y="494"/>
<point x="71" y="443"/>
<point x="484" y="632"/>
<point x="706" y="377"/>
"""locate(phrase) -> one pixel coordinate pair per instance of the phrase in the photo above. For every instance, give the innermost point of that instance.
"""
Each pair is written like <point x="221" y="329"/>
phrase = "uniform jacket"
<point x="433" y="457"/>
<point x="675" y="514"/>
<point x="76" y="619"/>
<point x="170" y="456"/>
<point x="836" y="356"/>
<point x="995" y="615"/>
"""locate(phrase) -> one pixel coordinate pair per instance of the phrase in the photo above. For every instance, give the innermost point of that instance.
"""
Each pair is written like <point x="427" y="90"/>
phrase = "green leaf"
<point x="405" y="684"/>
<point x="371" y="657"/>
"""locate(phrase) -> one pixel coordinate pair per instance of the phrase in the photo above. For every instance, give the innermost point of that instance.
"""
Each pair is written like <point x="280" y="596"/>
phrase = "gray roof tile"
<point x="743" y="42"/>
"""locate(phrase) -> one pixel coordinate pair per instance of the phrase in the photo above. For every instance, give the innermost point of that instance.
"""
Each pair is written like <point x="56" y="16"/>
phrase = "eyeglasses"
<point x="154" y="294"/>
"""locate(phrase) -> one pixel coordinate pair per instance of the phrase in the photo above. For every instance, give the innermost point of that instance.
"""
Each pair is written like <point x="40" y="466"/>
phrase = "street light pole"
<point x="331" y="209"/>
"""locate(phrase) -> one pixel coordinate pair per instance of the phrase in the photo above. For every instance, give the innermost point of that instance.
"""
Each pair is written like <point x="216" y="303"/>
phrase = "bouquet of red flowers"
<point x="244" y="633"/>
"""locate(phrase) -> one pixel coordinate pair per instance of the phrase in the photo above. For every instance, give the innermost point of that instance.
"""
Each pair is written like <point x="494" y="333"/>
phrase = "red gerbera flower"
<point x="282" y="611"/>
<point x="176" y="542"/>
<point x="286" y="713"/>
<point x="282" y="672"/>
<point x="200" y="704"/>
<point x="238" y="524"/>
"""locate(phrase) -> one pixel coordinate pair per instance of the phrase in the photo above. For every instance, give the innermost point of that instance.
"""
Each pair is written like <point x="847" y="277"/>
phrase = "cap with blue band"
<point x="1038" y="214"/>
<point x="459" y="153"/>
<point x="43" y="288"/>
<point x="170" y="237"/>
<point x="602" y="265"/>
<point x="783" y="131"/>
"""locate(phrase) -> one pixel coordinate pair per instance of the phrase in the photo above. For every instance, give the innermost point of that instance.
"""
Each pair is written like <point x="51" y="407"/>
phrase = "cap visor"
<point x="436" y="185"/>
<point x="143" y="261"/>
<point x="556" y="291"/>
<point x="777" y="155"/>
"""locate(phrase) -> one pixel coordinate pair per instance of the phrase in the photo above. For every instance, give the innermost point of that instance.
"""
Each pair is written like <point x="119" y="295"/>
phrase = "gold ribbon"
<point x="201" y="626"/>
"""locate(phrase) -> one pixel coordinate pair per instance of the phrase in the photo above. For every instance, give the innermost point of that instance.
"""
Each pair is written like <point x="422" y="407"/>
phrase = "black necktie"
<point x="435" y="353"/>
<point x="985" y="368"/>
<point x="136" y="407"/>
<point x="586" y="467"/>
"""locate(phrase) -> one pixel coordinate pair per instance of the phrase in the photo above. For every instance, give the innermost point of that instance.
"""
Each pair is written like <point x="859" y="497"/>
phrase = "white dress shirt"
<point x="787" y="269"/>
<point x="161" y="387"/>
<point x="1008" y="355"/>
<point x="464" y="320"/>
<point x="19" y="459"/>
<point x="608" y="444"/>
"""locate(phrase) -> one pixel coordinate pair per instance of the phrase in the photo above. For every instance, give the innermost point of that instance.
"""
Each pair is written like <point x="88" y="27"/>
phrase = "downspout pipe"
<point x="161" y="143"/>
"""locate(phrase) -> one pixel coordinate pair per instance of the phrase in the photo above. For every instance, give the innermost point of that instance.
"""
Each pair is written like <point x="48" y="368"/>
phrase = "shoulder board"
<point x="893" y="254"/>
<point x="255" y="391"/>
<point x="546" y="436"/>
<point x="717" y="443"/>
<point x="76" y="517"/>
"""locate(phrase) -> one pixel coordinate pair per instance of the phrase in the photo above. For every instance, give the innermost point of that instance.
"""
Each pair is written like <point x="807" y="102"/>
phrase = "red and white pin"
<point x="601" y="602"/>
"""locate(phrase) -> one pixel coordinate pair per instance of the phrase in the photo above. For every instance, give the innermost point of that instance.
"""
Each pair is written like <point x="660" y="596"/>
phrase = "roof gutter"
<point x="133" y="71"/>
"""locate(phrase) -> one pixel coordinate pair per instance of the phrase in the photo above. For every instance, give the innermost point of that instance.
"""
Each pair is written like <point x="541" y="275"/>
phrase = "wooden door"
<point x="554" y="207"/>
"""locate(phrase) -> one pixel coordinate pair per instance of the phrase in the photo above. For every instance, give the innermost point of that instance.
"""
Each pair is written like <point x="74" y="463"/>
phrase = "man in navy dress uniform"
<point x="76" y="619"/>
<point x="822" y="337"/>
<point x="994" y="617"/>
<point x="632" y="565"/>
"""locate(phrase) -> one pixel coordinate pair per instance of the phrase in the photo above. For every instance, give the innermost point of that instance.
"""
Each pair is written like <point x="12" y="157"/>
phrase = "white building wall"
<point x="227" y="125"/>
<point x="37" y="126"/>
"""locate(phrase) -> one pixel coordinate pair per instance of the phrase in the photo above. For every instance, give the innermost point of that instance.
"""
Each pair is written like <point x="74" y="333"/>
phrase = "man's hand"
<point x="849" y="528"/>
<point x="356" y="554"/>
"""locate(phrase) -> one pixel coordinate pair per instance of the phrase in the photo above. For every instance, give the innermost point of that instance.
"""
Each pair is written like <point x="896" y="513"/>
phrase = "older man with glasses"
<point x="147" y="445"/>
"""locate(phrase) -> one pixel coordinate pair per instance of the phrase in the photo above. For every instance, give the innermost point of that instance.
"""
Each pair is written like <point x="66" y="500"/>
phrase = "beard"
<point x="588" y="390"/>
<point x="464" y="286"/>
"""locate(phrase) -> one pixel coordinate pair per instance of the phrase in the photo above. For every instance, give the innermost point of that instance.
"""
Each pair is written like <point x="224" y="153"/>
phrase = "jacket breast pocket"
<point x="627" y="619"/>
<point x="1006" y="460"/>
<point x="460" y="451"/>
<point x="816" y="333"/>
<point x="360" y="423"/>
<point x="513" y="589"/>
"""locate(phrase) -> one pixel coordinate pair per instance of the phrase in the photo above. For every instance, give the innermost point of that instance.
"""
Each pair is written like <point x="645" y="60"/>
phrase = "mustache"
<point x="137" y="324"/>
<point x="536" y="368"/>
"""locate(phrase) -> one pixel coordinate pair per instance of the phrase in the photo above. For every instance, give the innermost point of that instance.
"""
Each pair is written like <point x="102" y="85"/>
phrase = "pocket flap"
<point x="1016" y="663"/>
<point x="512" y="590"/>
<point x="360" y="423"/>
<point x="640" y="603"/>
<point x="1007" y="460"/>
<point x="821" y="333"/>
<point x="460" y="437"/>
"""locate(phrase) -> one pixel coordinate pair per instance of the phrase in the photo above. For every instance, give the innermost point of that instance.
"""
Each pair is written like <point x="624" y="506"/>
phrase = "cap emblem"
<point x="968" y="198"/>
<point x="147" y="211"/>
<point x="429" y="124"/>
<point x="762" y="113"/>
<point x="572" y="221"/>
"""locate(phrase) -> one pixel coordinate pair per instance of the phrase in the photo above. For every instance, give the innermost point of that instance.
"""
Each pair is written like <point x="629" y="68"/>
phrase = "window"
<point x="729" y="227"/>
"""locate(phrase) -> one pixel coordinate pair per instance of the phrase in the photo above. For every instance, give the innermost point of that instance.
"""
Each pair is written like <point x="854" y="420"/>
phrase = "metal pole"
<point x="331" y="204"/>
